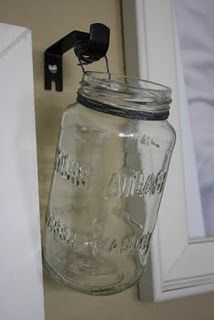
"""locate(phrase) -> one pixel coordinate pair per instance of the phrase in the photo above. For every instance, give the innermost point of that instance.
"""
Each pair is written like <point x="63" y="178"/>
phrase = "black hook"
<point x="88" y="47"/>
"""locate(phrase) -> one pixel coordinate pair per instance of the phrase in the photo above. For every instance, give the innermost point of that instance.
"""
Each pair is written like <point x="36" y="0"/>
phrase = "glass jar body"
<point x="108" y="180"/>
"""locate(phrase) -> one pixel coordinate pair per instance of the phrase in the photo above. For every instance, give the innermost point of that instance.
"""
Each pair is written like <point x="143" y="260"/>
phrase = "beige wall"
<point x="50" y="20"/>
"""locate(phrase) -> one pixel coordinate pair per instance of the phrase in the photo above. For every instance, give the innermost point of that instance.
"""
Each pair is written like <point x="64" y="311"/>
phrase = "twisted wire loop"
<point x="85" y="59"/>
<point x="107" y="67"/>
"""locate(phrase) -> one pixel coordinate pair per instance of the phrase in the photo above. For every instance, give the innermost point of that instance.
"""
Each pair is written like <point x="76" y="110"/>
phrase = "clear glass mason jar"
<point x="110" y="169"/>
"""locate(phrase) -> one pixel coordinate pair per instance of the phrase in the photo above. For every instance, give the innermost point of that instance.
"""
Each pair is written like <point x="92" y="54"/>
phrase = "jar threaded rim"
<point x="125" y="96"/>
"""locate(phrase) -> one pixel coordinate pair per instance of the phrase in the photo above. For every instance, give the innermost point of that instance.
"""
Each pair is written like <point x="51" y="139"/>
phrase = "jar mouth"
<point x="126" y="93"/>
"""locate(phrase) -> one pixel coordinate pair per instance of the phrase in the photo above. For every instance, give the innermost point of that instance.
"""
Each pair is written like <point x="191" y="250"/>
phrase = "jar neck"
<point x="124" y="96"/>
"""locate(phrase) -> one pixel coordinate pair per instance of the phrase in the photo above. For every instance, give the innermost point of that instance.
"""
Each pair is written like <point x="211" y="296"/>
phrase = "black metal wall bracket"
<point x="88" y="47"/>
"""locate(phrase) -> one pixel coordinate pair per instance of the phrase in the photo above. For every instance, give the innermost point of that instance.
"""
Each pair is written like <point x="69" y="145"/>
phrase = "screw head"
<point x="52" y="68"/>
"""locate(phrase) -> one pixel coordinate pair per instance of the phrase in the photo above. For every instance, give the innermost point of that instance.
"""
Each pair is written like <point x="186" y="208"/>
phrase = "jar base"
<point x="116" y="284"/>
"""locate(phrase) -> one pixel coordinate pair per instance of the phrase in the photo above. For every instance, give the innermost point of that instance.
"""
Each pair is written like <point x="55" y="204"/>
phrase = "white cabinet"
<point x="21" y="288"/>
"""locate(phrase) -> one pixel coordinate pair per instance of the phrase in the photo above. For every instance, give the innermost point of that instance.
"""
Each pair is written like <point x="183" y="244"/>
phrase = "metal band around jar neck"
<point x="120" y="112"/>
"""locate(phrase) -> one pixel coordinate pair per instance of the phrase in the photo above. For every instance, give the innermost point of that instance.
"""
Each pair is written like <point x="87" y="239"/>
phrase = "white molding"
<point x="179" y="266"/>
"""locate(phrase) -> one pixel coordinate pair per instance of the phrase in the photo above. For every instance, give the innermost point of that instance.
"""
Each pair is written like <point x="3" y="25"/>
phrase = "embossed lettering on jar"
<point x="109" y="175"/>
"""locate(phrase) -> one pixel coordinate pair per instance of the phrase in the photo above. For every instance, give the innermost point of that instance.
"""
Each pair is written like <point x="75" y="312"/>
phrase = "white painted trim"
<point x="179" y="266"/>
<point x="193" y="200"/>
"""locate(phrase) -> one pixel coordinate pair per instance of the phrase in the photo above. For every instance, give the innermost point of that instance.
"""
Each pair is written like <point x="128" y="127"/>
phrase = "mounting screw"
<point x="52" y="68"/>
